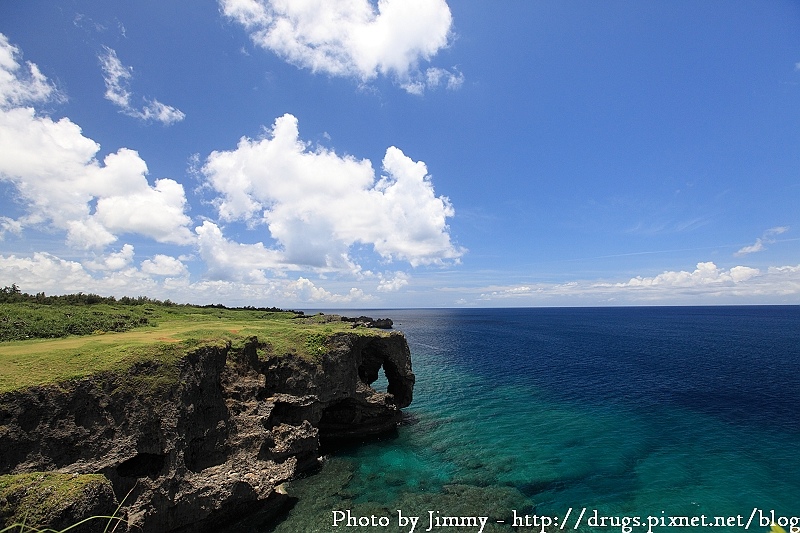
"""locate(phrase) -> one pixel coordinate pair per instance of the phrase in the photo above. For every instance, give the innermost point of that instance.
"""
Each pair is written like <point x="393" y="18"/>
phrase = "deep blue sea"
<point x="648" y="413"/>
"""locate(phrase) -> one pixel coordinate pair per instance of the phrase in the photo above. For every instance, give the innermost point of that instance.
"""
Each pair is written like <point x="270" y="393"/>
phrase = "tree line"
<point x="13" y="294"/>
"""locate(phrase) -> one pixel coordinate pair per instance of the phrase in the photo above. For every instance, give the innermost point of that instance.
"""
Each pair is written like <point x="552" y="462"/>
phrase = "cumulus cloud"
<point x="767" y="238"/>
<point x="317" y="204"/>
<point x="705" y="274"/>
<point x="164" y="265"/>
<point x="62" y="185"/>
<point x="394" y="283"/>
<point x="114" y="260"/>
<point x="355" y="38"/>
<point x="117" y="78"/>
<point x="56" y="175"/>
<point x="306" y="291"/>
<point x="44" y="272"/>
<point x="229" y="260"/>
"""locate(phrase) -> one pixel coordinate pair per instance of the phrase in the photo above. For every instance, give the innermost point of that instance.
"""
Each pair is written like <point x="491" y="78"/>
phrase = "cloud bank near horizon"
<point x="165" y="278"/>
<point x="672" y="286"/>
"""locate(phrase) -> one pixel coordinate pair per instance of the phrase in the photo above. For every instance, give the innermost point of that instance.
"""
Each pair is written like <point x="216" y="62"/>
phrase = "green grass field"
<point x="168" y="333"/>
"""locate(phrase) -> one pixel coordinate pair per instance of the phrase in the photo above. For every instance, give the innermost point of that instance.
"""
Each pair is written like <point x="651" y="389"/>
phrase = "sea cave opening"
<point x="372" y="371"/>
<point x="378" y="370"/>
<point x="382" y="383"/>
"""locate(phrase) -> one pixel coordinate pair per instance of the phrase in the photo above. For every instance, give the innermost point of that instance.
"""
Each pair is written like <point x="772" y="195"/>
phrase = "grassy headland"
<point x="68" y="338"/>
<point x="131" y="348"/>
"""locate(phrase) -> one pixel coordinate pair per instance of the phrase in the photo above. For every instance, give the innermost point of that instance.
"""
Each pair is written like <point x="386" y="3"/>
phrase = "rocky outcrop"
<point x="369" y="322"/>
<point x="192" y="445"/>
<point x="57" y="500"/>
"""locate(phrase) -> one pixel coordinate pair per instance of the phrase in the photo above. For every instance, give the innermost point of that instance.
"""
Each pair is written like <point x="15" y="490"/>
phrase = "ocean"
<point x="578" y="419"/>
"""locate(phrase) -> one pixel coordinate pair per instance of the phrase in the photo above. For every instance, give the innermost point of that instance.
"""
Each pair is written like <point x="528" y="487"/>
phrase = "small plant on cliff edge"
<point x="24" y="528"/>
<point x="315" y="344"/>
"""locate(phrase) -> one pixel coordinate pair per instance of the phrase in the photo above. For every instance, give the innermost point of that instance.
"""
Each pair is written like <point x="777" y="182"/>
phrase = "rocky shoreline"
<point x="192" y="453"/>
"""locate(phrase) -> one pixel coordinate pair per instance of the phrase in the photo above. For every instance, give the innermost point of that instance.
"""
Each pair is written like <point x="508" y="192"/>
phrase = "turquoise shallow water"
<point x="628" y="413"/>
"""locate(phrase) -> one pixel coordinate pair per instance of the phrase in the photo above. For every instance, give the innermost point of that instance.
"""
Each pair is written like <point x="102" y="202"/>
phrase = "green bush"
<point x="25" y="320"/>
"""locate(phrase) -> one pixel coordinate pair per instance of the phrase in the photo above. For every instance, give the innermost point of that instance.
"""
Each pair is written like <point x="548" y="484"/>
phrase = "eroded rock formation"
<point x="196" y="445"/>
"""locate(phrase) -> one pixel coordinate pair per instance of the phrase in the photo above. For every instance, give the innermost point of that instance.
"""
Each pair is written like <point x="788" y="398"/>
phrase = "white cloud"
<point x="113" y="261"/>
<point x="228" y="260"/>
<point x="776" y="231"/>
<point x="9" y="225"/>
<point x="117" y="77"/>
<point x="353" y="38"/>
<point x="767" y="237"/>
<point x="43" y="272"/>
<point x="317" y="204"/>
<point x="281" y="293"/>
<point x="306" y="291"/>
<point x="527" y="291"/>
<point x="393" y="284"/>
<point x="87" y="233"/>
<point x="18" y="85"/>
<point x="755" y="247"/>
<point x="164" y="265"/>
<point x="57" y="176"/>
<point x="155" y="110"/>
<point x="439" y="76"/>
<point x="705" y="274"/>
<point x="157" y="212"/>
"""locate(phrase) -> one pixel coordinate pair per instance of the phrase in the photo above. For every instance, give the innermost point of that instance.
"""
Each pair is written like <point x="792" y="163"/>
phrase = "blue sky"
<point x="402" y="153"/>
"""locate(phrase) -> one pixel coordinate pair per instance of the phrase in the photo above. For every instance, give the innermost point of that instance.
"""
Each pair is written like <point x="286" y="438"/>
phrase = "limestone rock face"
<point x="189" y="453"/>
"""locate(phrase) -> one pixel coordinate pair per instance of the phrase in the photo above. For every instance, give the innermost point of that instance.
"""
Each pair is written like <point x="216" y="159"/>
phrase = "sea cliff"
<point x="189" y="447"/>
